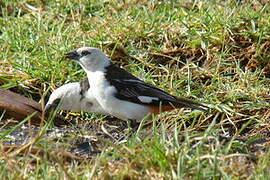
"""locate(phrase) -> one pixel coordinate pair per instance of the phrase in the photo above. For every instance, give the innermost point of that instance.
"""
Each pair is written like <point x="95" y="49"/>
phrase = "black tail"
<point x="182" y="102"/>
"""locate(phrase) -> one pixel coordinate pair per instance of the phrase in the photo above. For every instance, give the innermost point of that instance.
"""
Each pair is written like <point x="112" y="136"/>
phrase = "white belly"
<point x="126" y="110"/>
<point x="104" y="94"/>
<point x="92" y="105"/>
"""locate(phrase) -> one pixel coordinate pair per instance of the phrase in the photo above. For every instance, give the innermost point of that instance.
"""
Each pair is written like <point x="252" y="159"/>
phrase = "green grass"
<point x="216" y="52"/>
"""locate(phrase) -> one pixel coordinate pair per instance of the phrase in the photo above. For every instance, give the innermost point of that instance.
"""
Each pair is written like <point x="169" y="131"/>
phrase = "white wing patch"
<point x="147" y="99"/>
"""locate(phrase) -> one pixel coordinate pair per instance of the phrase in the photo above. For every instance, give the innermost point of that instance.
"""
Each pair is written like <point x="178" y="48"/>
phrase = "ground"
<point x="213" y="52"/>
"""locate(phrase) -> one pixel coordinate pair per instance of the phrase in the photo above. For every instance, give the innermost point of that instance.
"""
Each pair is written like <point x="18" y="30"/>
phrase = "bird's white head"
<point x="91" y="59"/>
<point x="65" y="97"/>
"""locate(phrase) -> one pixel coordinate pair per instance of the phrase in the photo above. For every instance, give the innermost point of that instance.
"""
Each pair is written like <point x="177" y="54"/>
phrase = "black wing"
<point x="130" y="88"/>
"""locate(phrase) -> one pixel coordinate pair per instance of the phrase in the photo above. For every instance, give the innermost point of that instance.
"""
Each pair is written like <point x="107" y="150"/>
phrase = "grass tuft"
<point x="215" y="52"/>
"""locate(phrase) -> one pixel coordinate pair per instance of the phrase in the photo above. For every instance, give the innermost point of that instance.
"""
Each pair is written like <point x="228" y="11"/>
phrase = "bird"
<point x="120" y="93"/>
<point x="71" y="97"/>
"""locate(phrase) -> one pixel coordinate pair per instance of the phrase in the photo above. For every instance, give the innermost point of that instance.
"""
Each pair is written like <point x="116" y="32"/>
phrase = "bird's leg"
<point x="133" y="125"/>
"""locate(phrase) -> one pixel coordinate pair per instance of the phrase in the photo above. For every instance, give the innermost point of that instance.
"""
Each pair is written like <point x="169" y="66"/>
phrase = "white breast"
<point x="104" y="93"/>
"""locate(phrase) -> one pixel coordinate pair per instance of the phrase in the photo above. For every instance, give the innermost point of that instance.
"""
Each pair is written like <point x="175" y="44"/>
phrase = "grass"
<point x="216" y="52"/>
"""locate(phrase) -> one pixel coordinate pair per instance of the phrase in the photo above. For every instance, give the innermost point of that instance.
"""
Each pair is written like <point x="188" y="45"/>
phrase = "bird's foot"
<point x="132" y="125"/>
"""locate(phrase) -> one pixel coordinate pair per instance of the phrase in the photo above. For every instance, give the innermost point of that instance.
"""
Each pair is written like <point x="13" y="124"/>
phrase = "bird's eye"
<point x="84" y="53"/>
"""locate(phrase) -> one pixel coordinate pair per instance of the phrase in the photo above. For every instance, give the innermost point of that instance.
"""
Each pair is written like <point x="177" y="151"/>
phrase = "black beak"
<point x="48" y="108"/>
<point x="52" y="107"/>
<point x="72" y="55"/>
